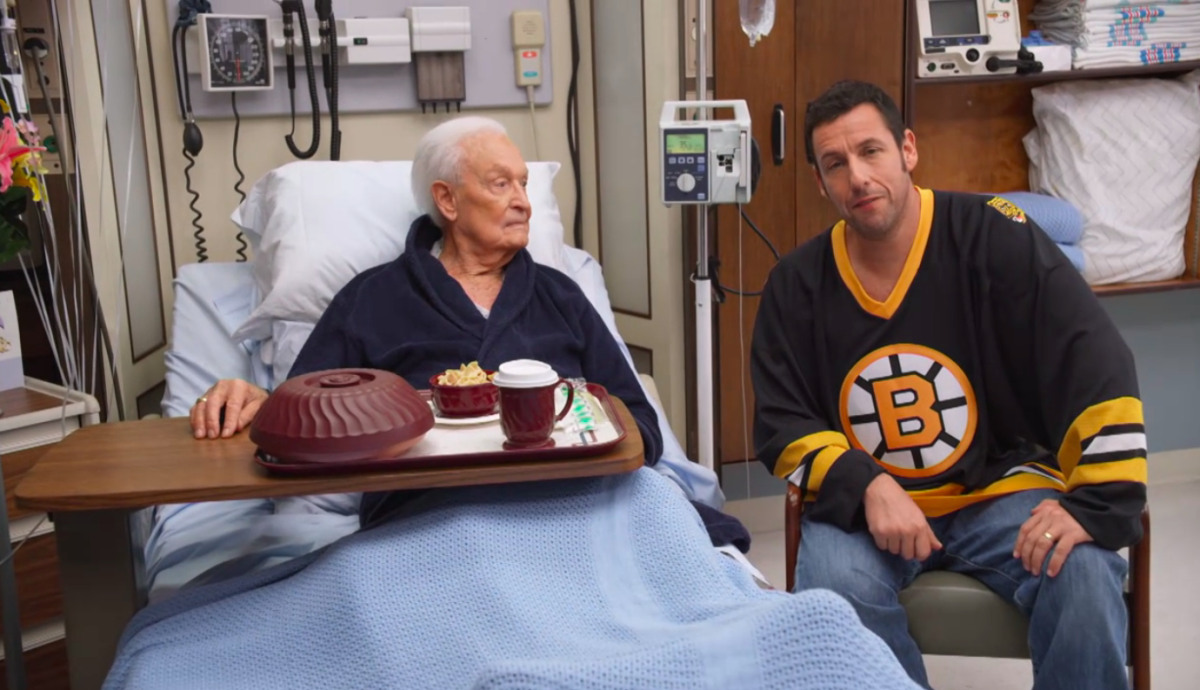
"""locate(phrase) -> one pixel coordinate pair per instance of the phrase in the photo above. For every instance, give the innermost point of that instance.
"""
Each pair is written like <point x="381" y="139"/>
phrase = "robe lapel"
<point x="514" y="297"/>
<point x="447" y="296"/>
<point x="443" y="292"/>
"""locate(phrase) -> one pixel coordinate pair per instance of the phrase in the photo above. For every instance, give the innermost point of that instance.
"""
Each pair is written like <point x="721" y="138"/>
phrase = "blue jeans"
<point x="1077" y="620"/>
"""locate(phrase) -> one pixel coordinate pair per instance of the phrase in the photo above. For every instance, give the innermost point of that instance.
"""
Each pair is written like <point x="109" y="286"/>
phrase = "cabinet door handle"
<point x="778" y="132"/>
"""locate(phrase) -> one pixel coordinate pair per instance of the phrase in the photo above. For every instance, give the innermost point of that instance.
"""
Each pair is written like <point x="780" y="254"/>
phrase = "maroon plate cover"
<point x="341" y="415"/>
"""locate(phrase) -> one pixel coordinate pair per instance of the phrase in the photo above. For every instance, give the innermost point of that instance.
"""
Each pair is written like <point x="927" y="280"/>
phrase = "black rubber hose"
<point x="312" y="91"/>
<point x="201" y="251"/>
<point x="237" y="186"/>
<point x="335" y="142"/>
<point x="573" y="125"/>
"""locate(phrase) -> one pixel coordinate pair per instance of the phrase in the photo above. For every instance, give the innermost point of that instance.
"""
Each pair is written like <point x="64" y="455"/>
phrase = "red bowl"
<point x="464" y="401"/>
<point x="341" y="415"/>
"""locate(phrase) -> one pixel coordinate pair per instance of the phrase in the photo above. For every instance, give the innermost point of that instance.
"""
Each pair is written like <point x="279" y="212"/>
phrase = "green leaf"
<point x="14" y="232"/>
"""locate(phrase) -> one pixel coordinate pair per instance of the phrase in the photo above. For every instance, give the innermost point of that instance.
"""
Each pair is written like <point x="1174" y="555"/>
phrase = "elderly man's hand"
<point x="1049" y="524"/>
<point x="240" y="400"/>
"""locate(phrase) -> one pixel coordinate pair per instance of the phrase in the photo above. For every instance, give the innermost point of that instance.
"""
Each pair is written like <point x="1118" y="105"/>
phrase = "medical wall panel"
<point x="621" y="151"/>
<point x="488" y="65"/>
<point x="130" y="170"/>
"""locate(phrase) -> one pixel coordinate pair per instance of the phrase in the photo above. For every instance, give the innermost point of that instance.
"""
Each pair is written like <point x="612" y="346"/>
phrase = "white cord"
<point x="742" y="357"/>
<point x="24" y="539"/>
<point x="533" y="122"/>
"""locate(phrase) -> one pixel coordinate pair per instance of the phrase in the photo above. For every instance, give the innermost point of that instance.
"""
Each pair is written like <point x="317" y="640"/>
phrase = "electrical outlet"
<point x="528" y="37"/>
<point x="34" y="22"/>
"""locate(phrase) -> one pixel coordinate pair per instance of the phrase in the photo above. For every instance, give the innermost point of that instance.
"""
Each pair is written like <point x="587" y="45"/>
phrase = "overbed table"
<point x="95" y="480"/>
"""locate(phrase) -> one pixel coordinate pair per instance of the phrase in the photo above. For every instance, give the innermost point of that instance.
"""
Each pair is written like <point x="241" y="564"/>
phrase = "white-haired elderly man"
<point x="464" y="290"/>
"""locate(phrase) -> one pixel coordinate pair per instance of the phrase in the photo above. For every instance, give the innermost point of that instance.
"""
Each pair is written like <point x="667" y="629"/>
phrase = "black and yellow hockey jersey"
<point x="991" y="368"/>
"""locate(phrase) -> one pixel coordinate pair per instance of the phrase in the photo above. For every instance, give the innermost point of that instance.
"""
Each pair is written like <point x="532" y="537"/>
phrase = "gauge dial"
<point x="238" y="53"/>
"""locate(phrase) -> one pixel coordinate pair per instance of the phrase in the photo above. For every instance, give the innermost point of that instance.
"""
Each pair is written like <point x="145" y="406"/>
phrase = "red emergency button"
<point x="529" y="54"/>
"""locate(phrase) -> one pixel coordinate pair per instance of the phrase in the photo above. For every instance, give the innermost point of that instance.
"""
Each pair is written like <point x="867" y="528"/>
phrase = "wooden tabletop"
<point x="130" y="465"/>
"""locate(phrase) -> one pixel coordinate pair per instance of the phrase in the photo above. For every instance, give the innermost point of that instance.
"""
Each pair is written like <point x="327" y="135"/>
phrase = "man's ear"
<point x="820" y="182"/>
<point x="443" y="198"/>
<point x="909" y="150"/>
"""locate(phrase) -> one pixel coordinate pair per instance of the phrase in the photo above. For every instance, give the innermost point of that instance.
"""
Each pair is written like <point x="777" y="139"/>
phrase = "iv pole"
<point x="703" y="281"/>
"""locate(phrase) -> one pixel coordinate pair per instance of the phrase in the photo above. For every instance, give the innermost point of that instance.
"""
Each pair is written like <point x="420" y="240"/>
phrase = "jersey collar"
<point x="885" y="309"/>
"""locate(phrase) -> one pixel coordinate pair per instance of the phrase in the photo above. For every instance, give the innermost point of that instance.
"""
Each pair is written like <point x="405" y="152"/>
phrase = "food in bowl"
<point x="465" y="392"/>
<point x="466" y="375"/>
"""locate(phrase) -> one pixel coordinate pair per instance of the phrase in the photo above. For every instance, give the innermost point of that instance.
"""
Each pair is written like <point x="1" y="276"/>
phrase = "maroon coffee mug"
<point x="527" y="415"/>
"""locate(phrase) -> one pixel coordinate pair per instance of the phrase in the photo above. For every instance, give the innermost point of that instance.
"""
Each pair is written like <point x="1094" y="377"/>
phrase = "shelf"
<point x="1164" y="69"/>
<point x="1184" y="283"/>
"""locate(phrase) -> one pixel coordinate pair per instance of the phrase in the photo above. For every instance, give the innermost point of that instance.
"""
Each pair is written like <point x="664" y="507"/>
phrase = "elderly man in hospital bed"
<point x="608" y="582"/>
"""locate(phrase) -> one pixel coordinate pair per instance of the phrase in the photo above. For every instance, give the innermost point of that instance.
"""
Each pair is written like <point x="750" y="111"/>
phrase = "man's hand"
<point x="1050" y="524"/>
<point x="896" y="522"/>
<point x="240" y="401"/>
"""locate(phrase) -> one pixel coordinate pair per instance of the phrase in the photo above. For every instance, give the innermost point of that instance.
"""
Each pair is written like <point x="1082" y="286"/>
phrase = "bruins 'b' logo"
<point x="910" y="407"/>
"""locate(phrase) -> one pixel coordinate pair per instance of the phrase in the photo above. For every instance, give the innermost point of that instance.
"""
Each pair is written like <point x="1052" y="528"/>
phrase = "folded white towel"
<point x="1077" y="22"/>
<point x="1120" y="56"/>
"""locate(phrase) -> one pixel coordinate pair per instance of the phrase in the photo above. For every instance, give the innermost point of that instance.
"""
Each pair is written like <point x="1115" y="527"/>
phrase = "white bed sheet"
<point x="199" y="543"/>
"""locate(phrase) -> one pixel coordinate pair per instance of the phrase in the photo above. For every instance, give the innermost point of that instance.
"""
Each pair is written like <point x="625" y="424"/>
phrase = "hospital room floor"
<point x="1175" y="603"/>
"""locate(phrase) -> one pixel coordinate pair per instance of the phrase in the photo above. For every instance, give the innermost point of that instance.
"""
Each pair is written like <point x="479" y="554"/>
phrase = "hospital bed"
<point x="179" y="546"/>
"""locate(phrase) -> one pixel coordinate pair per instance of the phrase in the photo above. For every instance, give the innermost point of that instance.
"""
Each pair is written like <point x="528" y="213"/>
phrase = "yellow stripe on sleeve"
<point x="1091" y="422"/>
<point x="791" y="457"/>
<point x="1133" y="470"/>
<point x="821" y="464"/>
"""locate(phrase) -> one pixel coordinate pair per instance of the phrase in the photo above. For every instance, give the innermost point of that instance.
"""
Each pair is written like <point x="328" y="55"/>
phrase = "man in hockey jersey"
<point x="947" y="392"/>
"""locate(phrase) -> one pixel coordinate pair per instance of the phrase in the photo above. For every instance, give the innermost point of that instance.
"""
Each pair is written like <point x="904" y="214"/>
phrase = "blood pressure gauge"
<point x="237" y="53"/>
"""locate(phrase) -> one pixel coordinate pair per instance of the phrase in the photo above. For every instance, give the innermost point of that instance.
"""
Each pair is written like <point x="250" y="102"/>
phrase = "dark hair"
<point x="843" y="97"/>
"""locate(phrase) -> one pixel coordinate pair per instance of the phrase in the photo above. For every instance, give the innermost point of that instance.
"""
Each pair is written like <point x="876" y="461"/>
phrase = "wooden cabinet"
<point x="33" y="419"/>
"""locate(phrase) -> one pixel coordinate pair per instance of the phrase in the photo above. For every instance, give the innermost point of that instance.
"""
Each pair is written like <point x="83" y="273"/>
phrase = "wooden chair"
<point x="951" y="614"/>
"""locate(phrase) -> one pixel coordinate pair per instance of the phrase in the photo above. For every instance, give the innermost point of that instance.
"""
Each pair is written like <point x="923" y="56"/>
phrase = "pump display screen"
<point x="685" y="143"/>
<point x="954" y="17"/>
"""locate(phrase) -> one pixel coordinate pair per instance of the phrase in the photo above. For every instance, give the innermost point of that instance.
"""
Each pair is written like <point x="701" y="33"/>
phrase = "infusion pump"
<point x="705" y="161"/>
<point x="970" y="37"/>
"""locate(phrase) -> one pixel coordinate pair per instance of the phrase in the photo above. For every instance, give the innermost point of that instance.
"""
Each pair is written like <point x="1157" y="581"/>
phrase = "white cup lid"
<point x="525" y="373"/>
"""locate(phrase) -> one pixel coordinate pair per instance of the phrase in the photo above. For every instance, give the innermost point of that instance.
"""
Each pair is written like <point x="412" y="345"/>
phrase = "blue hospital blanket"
<point x="586" y="584"/>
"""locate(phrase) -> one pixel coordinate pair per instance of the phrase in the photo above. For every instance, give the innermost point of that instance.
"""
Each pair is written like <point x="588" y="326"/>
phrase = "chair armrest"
<point x="651" y="387"/>
<point x="791" y="523"/>
<point x="1139" y="603"/>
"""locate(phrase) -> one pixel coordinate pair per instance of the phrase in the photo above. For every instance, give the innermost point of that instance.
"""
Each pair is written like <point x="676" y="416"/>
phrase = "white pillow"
<point x="314" y="225"/>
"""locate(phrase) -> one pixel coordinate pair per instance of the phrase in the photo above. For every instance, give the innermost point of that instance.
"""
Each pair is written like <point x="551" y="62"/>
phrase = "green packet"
<point x="586" y="411"/>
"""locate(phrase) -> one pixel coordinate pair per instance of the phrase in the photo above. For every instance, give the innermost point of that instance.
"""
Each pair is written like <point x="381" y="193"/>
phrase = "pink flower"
<point x="11" y="147"/>
<point x="29" y="132"/>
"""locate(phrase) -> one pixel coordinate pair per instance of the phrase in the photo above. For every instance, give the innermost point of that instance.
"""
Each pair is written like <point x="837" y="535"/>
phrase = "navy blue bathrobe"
<point x="412" y="318"/>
